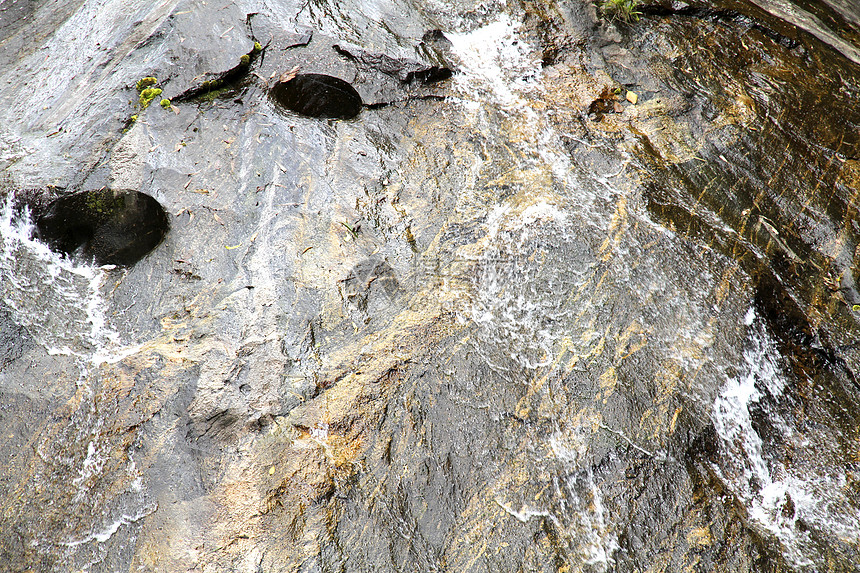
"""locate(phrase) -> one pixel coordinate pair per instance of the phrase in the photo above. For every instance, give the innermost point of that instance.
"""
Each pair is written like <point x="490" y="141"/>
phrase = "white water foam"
<point x="499" y="70"/>
<point x="495" y="63"/>
<point x="782" y="501"/>
<point x="91" y="467"/>
<point x="511" y="304"/>
<point x="531" y="261"/>
<point x="104" y="534"/>
<point x="594" y="540"/>
<point x="57" y="300"/>
<point x="580" y="517"/>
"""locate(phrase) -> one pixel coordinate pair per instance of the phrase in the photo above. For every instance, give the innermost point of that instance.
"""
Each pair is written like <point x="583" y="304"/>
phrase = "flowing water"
<point x="62" y="304"/>
<point x="778" y="499"/>
<point x="60" y="301"/>
<point x="527" y="312"/>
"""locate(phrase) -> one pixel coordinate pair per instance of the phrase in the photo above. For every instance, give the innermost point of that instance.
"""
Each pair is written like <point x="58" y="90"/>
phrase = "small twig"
<point x="774" y="234"/>
<point x="626" y="439"/>
<point x="288" y="75"/>
<point x="576" y="139"/>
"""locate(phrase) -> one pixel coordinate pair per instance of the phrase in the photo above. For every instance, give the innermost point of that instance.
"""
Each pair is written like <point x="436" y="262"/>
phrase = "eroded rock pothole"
<point x="317" y="95"/>
<point x="107" y="227"/>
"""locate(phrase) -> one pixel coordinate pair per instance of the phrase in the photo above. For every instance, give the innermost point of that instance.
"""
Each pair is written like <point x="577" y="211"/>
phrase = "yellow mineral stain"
<point x="477" y="555"/>
<point x="608" y="382"/>
<point x="633" y="338"/>
<point x="668" y="378"/>
<point x="700" y="537"/>
<point x="674" y="421"/>
<point x="598" y="348"/>
<point x="727" y="281"/>
<point x="617" y="227"/>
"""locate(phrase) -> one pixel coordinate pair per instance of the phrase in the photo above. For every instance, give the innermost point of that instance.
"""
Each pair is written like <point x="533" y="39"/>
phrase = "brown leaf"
<point x="287" y="76"/>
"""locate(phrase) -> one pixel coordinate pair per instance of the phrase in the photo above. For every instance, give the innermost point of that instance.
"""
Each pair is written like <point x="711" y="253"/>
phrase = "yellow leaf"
<point x="288" y="75"/>
<point x="632" y="97"/>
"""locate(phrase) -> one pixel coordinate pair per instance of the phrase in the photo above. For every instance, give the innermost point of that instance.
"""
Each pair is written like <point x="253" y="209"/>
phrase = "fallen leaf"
<point x="632" y="97"/>
<point x="287" y="76"/>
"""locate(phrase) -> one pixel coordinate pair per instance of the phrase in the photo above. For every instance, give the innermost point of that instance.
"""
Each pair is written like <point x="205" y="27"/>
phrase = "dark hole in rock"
<point x="318" y="95"/>
<point x="430" y="75"/>
<point x="107" y="227"/>
<point x="607" y="102"/>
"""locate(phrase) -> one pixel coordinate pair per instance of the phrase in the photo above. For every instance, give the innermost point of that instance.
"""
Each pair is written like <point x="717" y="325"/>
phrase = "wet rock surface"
<point x="587" y="304"/>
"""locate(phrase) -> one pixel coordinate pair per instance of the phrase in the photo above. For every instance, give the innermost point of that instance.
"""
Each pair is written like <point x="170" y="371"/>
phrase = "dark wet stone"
<point x="318" y="95"/>
<point x="405" y="70"/>
<point x="607" y="102"/>
<point x="108" y="227"/>
<point x="14" y="340"/>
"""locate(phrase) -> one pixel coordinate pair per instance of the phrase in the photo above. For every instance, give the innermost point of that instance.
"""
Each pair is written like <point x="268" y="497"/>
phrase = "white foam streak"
<point x="59" y="301"/>
<point x="778" y="500"/>
<point x="91" y="467"/>
<point x="107" y="532"/>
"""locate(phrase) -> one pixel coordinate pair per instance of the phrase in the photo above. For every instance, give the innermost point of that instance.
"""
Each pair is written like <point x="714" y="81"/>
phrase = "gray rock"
<point x="474" y="329"/>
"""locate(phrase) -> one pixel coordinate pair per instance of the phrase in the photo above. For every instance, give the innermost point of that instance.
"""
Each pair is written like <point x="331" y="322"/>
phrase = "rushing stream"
<point x="560" y="292"/>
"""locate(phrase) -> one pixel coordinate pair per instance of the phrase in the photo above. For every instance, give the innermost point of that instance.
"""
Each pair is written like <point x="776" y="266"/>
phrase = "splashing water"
<point x="532" y="258"/>
<point x="57" y="300"/>
<point x="61" y="305"/>
<point x="780" y="500"/>
<point x="495" y="63"/>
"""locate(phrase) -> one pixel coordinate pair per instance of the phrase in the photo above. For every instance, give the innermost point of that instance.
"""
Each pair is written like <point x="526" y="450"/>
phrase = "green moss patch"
<point x="146" y="82"/>
<point x="624" y="10"/>
<point x="147" y="95"/>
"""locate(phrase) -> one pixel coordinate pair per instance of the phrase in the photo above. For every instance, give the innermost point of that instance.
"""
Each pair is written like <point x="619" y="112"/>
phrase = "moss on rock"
<point x="147" y="95"/>
<point x="146" y="82"/>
